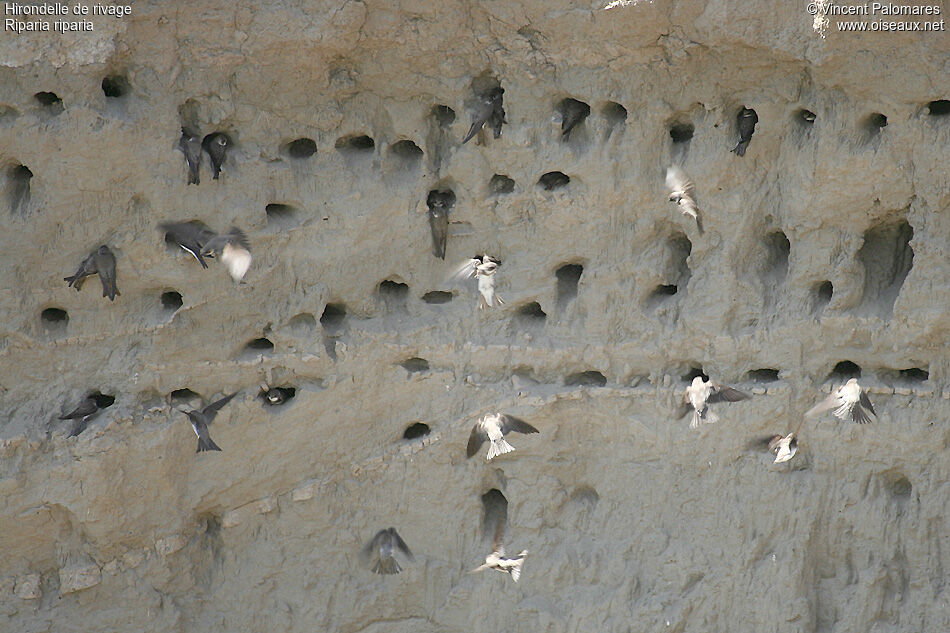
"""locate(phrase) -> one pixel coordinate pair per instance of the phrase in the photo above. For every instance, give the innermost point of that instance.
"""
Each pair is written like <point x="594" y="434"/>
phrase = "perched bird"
<point x="233" y="249"/>
<point x="497" y="559"/>
<point x="745" y="121"/>
<point x="848" y="401"/>
<point x="190" y="146"/>
<point x="201" y="419"/>
<point x="482" y="268"/>
<point x="275" y="396"/>
<point x="216" y="145"/>
<point x="493" y="427"/>
<point x="681" y="192"/>
<point x="699" y="395"/>
<point x="191" y="236"/>
<point x="100" y="261"/>
<point x="808" y="116"/>
<point x="489" y="110"/>
<point x="85" y="411"/>
<point x="572" y="113"/>
<point x="382" y="547"/>
<point x="783" y="447"/>
<point x="440" y="204"/>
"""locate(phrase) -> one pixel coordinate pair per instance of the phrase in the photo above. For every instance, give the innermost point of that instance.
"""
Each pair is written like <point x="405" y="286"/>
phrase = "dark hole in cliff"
<point x="532" y="313"/>
<point x="822" y="293"/>
<point x="568" y="276"/>
<point x="586" y="496"/>
<point x="941" y="107"/>
<point x="407" y="151"/>
<point x="573" y="108"/>
<point x="361" y="144"/>
<point x="19" y="192"/>
<point x="258" y="345"/>
<point x="805" y="117"/>
<point x="49" y="100"/>
<point x="915" y="374"/>
<point x="777" y="249"/>
<point x="301" y="148"/>
<point x="182" y="396"/>
<point x="897" y="485"/>
<point x="663" y="291"/>
<point x="681" y="132"/>
<point x="115" y="86"/>
<point x="436" y="297"/>
<point x="54" y="317"/>
<point x="887" y="258"/>
<point x="875" y="122"/>
<point x="103" y="401"/>
<point x="494" y="511"/>
<point x="443" y="115"/>
<point x="171" y="300"/>
<point x="553" y="180"/>
<point x="333" y="317"/>
<point x="678" y="249"/>
<point x="589" y="378"/>
<point x="281" y="216"/>
<point x="763" y="375"/>
<point x="276" y="396"/>
<point x="614" y="113"/>
<point x="845" y="370"/>
<point x="415" y="365"/>
<point x="693" y="373"/>
<point x="390" y="289"/>
<point x="500" y="183"/>
<point x="301" y="324"/>
<point x="416" y="430"/>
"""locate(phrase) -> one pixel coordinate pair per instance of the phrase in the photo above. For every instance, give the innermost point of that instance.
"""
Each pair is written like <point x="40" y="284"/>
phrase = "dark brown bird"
<point x="86" y="410"/>
<point x="745" y="121"/>
<point x="488" y="111"/>
<point x="573" y="112"/>
<point x="217" y="144"/>
<point x="440" y="204"/>
<point x="381" y="549"/>
<point x="100" y="261"/>
<point x="201" y="419"/>
<point x="190" y="146"/>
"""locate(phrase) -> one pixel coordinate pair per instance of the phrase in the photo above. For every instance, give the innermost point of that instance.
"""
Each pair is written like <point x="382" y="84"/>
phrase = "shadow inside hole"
<point x="54" y="318"/>
<point x="300" y="148"/>
<point x="171" y="300"/>
<point x="897" y="485"/>
<point x="763" y="375"/>
<point x="693" y="373"/>
<point x="393" y="293"/>
<point x="887" y="258"/>
<point x="940" y="107"/>
<point x="590" y="378"/>
<point x="821" y="294"/>
<point x="494" y="513"/>
<point x="777" y="249"/>
<point x="333" y="317"/>
<point x="500" y="184"/>
<point x="407" y="151"/>
<point x="179" y="397"/>
<point x="615" y="115"/>
<point x="874" y="123"/>
<point x="416" y="430"/>
<point x="568" y="277"/>
<point x="281" y="216"/>
<point x="356" y="145"/>
<point x="415" y="365"/>
<point x="19" y="190"/>
<point x="436" y="297"/>
<point x="115" y="87"/>
<point x="259" y="345"/>
<point x="553" y="180"/>
<point x="681" y="132"/>
<point x="573" y="114"/>
<point x="845" y="370"/>
<point x="50" y="101"/>
<point x="443" y="115"/>
<point x="532" y="314"/>
<point x="914" y="374"/>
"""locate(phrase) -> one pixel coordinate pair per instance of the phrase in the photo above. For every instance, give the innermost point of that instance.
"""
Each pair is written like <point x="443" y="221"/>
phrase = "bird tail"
<point x="499" y="447"/>
<point x="516" y="567"/>
<point x="387" y="565"/>
<point x="74" y="280"/>
<point x="472" y="132"/>
<point x="78" y="427"/>
<point x="739" y="149"/>
<point x="207" y="445"/>
<point x="704" y="417"/>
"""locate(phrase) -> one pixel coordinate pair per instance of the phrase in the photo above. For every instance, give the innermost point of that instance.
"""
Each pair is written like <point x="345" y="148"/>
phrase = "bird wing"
<point x="721" y="393"/>
<point x="511" y="423"/>
<point x="858" y="413"/>
<point x="466" y="270"/>
<point x="371" y="547"/>
<point x="190" y="231"/>
<point x="400" y="543"/>
<point x="237" y="259"/>
<point x="212" y="409"/>
<point x="86" y="407"/>
<point x="476" y="439"/>
<point x="865" y="402"/>
<point x="830" y="402"/>
<point x="676" y="180"/>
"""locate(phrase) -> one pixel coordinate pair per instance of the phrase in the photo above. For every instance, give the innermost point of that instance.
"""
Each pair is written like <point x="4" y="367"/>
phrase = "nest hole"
<point x="663" y="291"/>
<point x="390" y="289"/>
<point x="914" y="374"/>
<point x="416" y="430"/>
<point x="355" y="145"/>
<point x="406" y="151"/>
<point x="259" y="345"/>
<point x="822" y="292"/>
<point x="494" y="512"/>
<point x="54" y="317"/>
<point x="568" y="277"/>
<point x="805" y="117"/>
<point x="763" y="375"/>
<point x="48" y="99"/>
<point x="897" y="485"/>
<point x="590" y="378"/>
<point x="171" y="300"/>
<point x="940" y="107"/>
<point x="301" y="148"/>
<point x="276" y="396"/>
<point x="532" y="313"/>
<point x="19" y="191"/>
<point x="415" y="365"/>
<point x="182" y="396"/>
<point x="875" y="122"/>
<point x="443" y="115"/>
<point x="436" y="297"/>
<point x="682" y="132"/>
<point x="777" y="249"/>
<point x="845" y="370"/>
<point x="887" y="258"/>
<point x="281" y="216"/>
<point x="553" y="180"/>
<point x="500" y="184"/>
<point x="333" y="317"/>
<point x="693" y="373"/>
<point x="115" y="87"/>
<point x="614" y="113"/>
<point x="103" y="400"/>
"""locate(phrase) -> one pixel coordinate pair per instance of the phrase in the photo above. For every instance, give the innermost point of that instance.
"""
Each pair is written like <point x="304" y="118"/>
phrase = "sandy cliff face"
<point x="827" y="242"/>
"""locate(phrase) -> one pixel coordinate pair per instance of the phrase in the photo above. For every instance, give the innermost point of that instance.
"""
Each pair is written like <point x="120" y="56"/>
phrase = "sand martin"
<point x="745" y="121"/>
<point x="275" y="396"/>
<point x="233" y="249"/>
<point x="100" y="261"/>
<point x="848" y="401"/>
<point x="482" y="268"/>
<point x="190" y="146"/>
<point x="191" y="236"/>
<point x="699" y="395"/>
<point x="497" y="559"/>
<point x="381" y="549"/>
<point x="681" y="192"/>
<point x="489" y="110"/>
<point x="440" y="204"/>
<point x="85" y="411"/>
<point x="493" y="427"/>
<point x="572" y="113"/>
<point x="784" y="448"/>
<point x="201" y="419"/>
